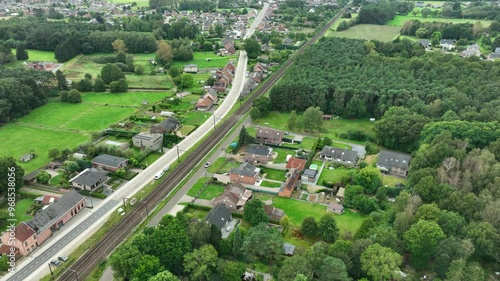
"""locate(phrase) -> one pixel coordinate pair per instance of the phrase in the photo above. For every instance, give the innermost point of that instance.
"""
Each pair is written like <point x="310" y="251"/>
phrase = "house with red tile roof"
<point x="296" y="163"/>
<point x="24" y="238"/>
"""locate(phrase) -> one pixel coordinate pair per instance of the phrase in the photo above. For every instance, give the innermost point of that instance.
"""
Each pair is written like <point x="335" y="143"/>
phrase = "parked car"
<point x="63" y="258"/>
<point x="207" y="165"/>
<point x="56" y="262"/>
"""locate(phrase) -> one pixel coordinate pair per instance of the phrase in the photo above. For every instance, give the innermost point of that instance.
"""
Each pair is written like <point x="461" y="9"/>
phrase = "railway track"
<point x="117" y="234"/>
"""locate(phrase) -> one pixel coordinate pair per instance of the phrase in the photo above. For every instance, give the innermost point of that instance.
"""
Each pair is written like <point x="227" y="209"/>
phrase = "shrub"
<point x="120" y="86"/>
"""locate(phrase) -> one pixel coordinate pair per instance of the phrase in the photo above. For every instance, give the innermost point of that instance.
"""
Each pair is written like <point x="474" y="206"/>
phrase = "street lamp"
<point x="178" y="154"/>
<point x="215" y="118"/>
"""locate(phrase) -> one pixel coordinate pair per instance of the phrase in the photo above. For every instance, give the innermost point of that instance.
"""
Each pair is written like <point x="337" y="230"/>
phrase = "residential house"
<point x="288" y="249"/>
<point x="269" y="136"/>
<point x="248" y="87"/>
<point x="419" y="4"/>
<point x="339" y="155"/>
<point x="45" y="222"/>
<point x="296" y="163"/>
<point x="309" y="175"/>
<point x="245" y="173"/>
<point x="259" y="154"/>
<point x="288" y="41"/>
<point x="234" y="197"/>
<point x="472" y="51"/>
<point x="168" y="125"/>
<point x="426" y="44"/>
<point x="495" y="55"/>
<point x="208" y="100"/>
<point x="335" y="208"/>
<point x="394" y="162"/>
<point x="229" y="49"/>
<point x="291" y="182"/>
<point x="221" y="217"/>
<point x="109" y="162"/>
<point x="46" y="200"/>
<point x="89" y="179"/>
<point x="25" y="240"/>
<point x="274" y="213"/>
<point x="145" y="140"/>
<point x="447" y="44"/>
<point x="191" y="68"/>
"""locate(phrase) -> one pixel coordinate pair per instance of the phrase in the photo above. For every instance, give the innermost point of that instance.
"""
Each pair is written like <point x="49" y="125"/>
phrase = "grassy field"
<point x="206" y="60"/>
<point x="148" y="81"/>
<point x="282" y="153"/>
<point x="186" y="129"/>
<point x="368" y="32"/>
<point x="36" y="55"/>
<point x="221" y="166"/>
<point x="151" y="158"/>
<point x="298" y="210"/>
<point x="334" y="176"/>
<point x="197" y="118"/>
<point x="349" y="221"/>
<point x="270" y="184"/>
<point x="331" y="128"/>
<point x="273" y="174"/>
<point x="129" y="98"/>
<point x="22" y="206"/>
<point x="400" y="20"/>
<point x="392" y="180"/>
<point x="341" y="145"/>
<point x="212" y="190"/>
<point x="140" y="3"/>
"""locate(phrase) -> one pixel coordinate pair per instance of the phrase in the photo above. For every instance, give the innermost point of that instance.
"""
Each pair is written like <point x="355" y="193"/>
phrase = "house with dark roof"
<point x="245" y="173"/>
<point x="234" y="197"/>
<point x="426" y="44"/>
<point x="25" y="240"/>
<point x="269" y="136"/>
<point x="391" y="162"/>
<point x="56" y="215"/>
<point x="296" y="163"/>
<point x="340" y="155"/>
<point x="109" y="162"/>
<point x="222" y="218"/>
<point x="89" y="179"/>
<point x="447" y="44"/>
<point x="291" y="182"/>
<point x="168" y="125"/>
<point x="259" y="154"/>
<point x="309" y="175"/>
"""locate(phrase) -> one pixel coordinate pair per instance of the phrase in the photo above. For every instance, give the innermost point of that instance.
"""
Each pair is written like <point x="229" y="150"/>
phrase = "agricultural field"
<point x="127" y="99"/>
<point x="400" y="20"/>
<point x="368" y="32"/>
<point x="206" y="60"/>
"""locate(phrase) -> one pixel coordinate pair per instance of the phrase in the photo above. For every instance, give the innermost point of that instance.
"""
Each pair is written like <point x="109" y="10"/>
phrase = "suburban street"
<point x="86" y="224"/>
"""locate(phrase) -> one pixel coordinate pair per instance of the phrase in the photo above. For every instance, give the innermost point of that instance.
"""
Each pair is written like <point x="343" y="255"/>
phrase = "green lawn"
<point x="349" y="221"/>
<point x="393" y="180"/>
<point x="298" y="210"/>
<point x="129" y="98"/>
<point x="22" y="206"/>
<point x="331" y="128"/>
<point x="37" y="55"/>
<point x="196" y="118"/>
<point x="201" y="59"/>
<point x="187" y="103"/>
<point x="340" y="145"/>
<point x="400" y="20"/>
<point x="212" y="190"/>
<point x="273" y="174"/>
<point x="334" y="176"/>
<point x="97" y="118"/>
<point x="151" y="158"/>
<point x="216" y="165"/>
<point x="148" y="81"/>
<point x="270" y="184"/>
<point x="56" y="180"/>
<point x="140" y="3"/>
<point x="220" y="167"/>
<point x="368" y="32"/>
<point x="186" y="129"/>
<point x="282" y="153"/>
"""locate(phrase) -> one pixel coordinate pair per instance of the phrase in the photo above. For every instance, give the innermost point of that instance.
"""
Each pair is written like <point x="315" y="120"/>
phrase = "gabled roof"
<point x="205" y="102"/>
<point x="45" y="218"/>
<point x="245" y="169"/>
<point x="109" y="160"/>
<point x="339" y="153"/>
<point x="168" y="124"/>
<point x="296" y="163"/>
<point x="391" y="159"/>
<point x="288" y="249"/>
<point x="218" y="216"/>
<point x="259" y="149"/>
<point x="23" y="232"/>
<point x="89" y="177"/>
<point x="268" y="133"/>
<point x="49" y="199"/>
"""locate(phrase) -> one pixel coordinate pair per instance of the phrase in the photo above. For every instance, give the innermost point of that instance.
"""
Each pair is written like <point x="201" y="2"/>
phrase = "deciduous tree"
<point x="255" y="213"/>
<point x="381" y="263"/>
<point x="422" y="239"/>
<point x="328" y="230"/>
<point x="201" y="262"/>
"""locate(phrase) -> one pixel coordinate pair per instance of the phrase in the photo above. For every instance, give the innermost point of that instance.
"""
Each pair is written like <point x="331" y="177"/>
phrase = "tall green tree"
<point x="164" y="276"/>
<point x="232" y="271"/>
<point x="292" y="120"/>
<point x="99" y="85"/>
<point x="422" y="239"/>
<point x="333" y="269"/>
<point x="10" y="174"/>
<point x="61" y="80"/>
<point x="312" y="119"/>
<point x="244" y="137"/>
<point x="21" y="53"/>
<point x="124" y="261"/>
<point x="147" y="266"/>
<point x="111" y="72"/>
<point x="328" y="230"/>
<point x="294" y="266"/>
<point x="381" y="263"/>
<point x="201" y="262"/>
<point x="264" y="243"/>
<point x="252" y="47"/>
<point x="255" y="213"/>
<point x="309" y="227"/>
<point x="237" y="243"/>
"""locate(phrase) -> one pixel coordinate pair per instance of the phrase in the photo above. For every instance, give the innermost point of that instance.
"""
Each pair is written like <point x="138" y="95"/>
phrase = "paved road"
<point x="87" y="226"/>
<point x="50" y="252"/>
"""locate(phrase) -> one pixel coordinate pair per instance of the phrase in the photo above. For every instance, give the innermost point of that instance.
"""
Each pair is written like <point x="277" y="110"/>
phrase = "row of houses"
<point x="31" y="234"/>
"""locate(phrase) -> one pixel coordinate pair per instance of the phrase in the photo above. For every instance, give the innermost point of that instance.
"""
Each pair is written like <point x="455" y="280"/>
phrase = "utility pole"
<point x="50" y="268"/>
<point x="178" y="156"/>
<point x="91" y="202"/>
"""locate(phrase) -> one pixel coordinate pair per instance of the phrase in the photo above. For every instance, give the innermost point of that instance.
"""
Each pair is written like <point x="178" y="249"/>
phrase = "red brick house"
<point x="259" y="154"/>
<point x="296" y="163"/>
<point x="245" y="173"/>
<point x="269" y="136"/>
<point x="290" y="184"/>
<point x="24" y="240"/>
